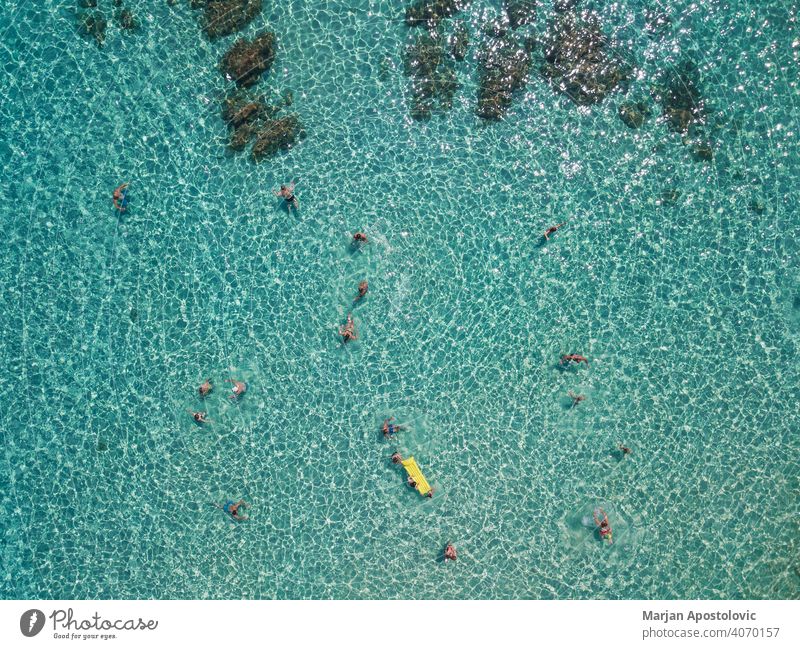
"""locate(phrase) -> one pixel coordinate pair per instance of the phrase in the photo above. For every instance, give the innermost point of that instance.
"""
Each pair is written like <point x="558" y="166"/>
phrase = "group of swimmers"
<point x="348" y="330"/>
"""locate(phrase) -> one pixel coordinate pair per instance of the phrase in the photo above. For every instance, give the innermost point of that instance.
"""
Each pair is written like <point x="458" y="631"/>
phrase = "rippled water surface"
<point x="678" y="278"/>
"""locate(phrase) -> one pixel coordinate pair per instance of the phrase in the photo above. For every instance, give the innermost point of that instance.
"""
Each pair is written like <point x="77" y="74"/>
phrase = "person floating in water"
<point x="358" y="238"/>
<point x="389" y="428"/>
<point x="603" y="524"/>
<point x="450" y="552"/>
<point x="411" y="482"/>
<point x="576" y="358"/>
<point x="200" y="417"/>
<point x="396" y="458"/>
<point x="239" y="388"/>
<point x="205" y="388"/>
<point x="625" y="450"/>
<point x="121" y="198"/>
<point x="233" y="508"/>
<point x="430" y="493"/>
<point x="287" y="194"/>
<point x="576" y="398"/>
<point x="552" y="230"/>
<point x="348" y="330"/>
<point x="363" y="287"/>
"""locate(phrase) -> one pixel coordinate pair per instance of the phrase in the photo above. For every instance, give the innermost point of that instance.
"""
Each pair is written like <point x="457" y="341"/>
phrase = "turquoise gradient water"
<point x="689" y="310"/>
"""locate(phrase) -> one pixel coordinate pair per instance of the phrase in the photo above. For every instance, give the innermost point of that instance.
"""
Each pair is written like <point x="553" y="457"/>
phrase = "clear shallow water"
<point x="689" y="312"/>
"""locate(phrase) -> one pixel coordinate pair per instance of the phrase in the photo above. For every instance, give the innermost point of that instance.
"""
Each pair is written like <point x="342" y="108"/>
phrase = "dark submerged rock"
<point x="87" y="4"/>
<point x="503" y="68"/>
<point x="431" y="12"/>
<point x="657" y="23"/>
<point x="277" y="135"/>
<point x="224" y="17"/>
<point x="562" y="6"/>
<point x="680" y="98"/>
<point x="520" y="12"/>
<point x="702" y="151"/>
<point x="579" y="61"/>
<point x="634" y="114"/>
<point x="433" y="80"/>
<point x="459" y="41"/>
<point x="246" y="61"/>
<point x="93" y="25"/>
<point x="126" y="20"/>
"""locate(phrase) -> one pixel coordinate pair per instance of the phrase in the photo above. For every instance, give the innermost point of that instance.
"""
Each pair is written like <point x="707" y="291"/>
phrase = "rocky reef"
<point x="430" y="12"/>
<point x="224" y="17"/>
<point x="502" y="68"/>
<point x="433" y="79"/>
<point x="93" y="25"/>
<point x="277" y="135"/>
<point x="126" y="20"/>
<point x="459" y="41"/>
<point x="247" y="60"/>
<point x="679" y="95"/>
<point x="578" y="59"/>
<point x="520" y="12"/>
<point x="250" y="116"/>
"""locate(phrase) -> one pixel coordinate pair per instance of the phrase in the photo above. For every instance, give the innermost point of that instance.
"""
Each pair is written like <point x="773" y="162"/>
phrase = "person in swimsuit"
<point x="232" y="508"/>
<point x="389" y="428"/>
<point x="625" y="450"/>
<point x="359" y="237"/>
<point x="576" y="358"/>
<point x="450" y="552"/>
<point x="348" y="331"/>
<point x="287" y="194"/>
<point x="205" y="388"/>
<point x="363" y="287"/>
<point x="552" y="230"/>
<point x="430" y="493"/>
<point x="411" y="482"/>
<point x="603" y="524"/>
<point x="239" y="388"/>
<point x="120" y="198"/>
<point x="396" y="458"/>
<point x="576" y="398"/>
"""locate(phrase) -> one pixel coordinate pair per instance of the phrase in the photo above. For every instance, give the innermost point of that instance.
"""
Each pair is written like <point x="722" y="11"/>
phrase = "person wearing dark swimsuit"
<point x="287" y="194"/>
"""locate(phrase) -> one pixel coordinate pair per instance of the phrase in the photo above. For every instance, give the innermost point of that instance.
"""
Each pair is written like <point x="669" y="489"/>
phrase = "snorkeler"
<point x="363" y="287"/>
<point x="348" y="331"/>
<point x="450" y="552"/>
<point x="603" y="524"/>
<point x="239" y="388"/>
<point x="577" y="358"/>
<point x="359" y="237"/>
<point x="232" y="508"/>
<point x="576" y="398"/>
<point x="205" y="388"/>
<point x="120" y="197"/>
<point x="287" y="194"/>
<point x="552" y="230"/>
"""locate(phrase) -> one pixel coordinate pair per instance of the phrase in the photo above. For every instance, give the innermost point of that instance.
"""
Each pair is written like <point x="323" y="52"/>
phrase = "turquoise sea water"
<point x="678" y="279"/>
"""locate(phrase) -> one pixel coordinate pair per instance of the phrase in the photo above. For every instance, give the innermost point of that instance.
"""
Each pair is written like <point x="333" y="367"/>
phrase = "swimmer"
<point x="396" y="458"/>
<point x="199" y="417"/>
<point x="602" y="523"/>
<point x="577" y="358"/>
<point x="348" y="331"/>
<point x="120" y="198"/>
<point x="450" y="552"/>
<point x="430" y="493"/>
<point x="239" y="388"/>
<point x="363" y="287"/>
<point x="359" y="237"/>
<point x="287" y="194"/>
<point x="625" y="450"/>
<point x="576" y="398"/>
<point x="389" y="428"/>
<point x="411" y="482"/>
<point x="232" y="508"/>
<point x="552" y="230"/>
<point x="205" y="388"/>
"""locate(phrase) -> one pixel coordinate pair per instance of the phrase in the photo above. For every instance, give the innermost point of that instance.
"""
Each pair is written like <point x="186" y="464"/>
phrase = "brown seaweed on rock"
<point x="520" y="12"/>
<point x="242" y="112"/>
<point x="634" y="114"/>
<point x="579" y="61"/>
<point x="680" y="98"/>
<point x="247" y="60"/>
<point x="277" y="135"/>
<point x="459" y="41"/>
<point x="430" y="12"/>
<point x="224" y="17"/>
<point x="502" y="68"/>
<point x="93" y="25"/>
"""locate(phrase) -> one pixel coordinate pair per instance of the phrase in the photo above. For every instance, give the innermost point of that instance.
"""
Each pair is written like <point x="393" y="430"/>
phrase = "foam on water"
<point x="677" y="278"/>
